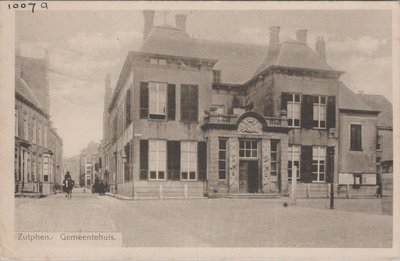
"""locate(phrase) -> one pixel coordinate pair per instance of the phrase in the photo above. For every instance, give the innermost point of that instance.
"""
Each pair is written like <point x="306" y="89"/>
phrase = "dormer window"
<point x="158" y="61"/>
<point x="216" y="76"/>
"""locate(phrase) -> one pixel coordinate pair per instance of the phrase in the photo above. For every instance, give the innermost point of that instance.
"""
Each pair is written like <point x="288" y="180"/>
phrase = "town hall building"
<point x="196" y="117"/>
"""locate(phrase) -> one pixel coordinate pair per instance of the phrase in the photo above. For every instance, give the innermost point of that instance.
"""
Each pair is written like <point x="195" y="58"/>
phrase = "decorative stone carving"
<point x="233" y="164"/>
<point x="250" y="125"/>
<point x="266" y="163"/>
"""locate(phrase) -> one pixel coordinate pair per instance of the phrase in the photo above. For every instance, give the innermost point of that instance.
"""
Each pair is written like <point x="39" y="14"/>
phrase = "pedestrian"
<point x="68" y="185"/>
<point x="102" y="189"/>
<point x="378" y="193"/>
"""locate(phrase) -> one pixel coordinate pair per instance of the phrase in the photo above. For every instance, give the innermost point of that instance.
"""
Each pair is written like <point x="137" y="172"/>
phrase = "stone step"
<point x="255" y="195"/>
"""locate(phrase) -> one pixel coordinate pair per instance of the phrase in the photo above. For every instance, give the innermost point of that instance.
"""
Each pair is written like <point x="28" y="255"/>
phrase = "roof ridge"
<point x="30" y="92"/>
<point x="230" y="42"/>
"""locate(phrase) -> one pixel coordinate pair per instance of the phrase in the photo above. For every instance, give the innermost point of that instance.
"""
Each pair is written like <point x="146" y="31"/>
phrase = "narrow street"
<point x="207" y="222"/>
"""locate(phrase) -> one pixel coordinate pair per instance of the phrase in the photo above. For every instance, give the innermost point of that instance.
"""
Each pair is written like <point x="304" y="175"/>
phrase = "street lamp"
<point x="333" y="142"/>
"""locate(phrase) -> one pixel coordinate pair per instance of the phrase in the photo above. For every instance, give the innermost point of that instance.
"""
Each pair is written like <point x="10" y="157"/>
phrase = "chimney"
<point x="148" y="16"/>
<point x="273" y="41"/>
<point x="320" y="47"/>
<point x="301" y="36"/>
<point x="180" y="21"/>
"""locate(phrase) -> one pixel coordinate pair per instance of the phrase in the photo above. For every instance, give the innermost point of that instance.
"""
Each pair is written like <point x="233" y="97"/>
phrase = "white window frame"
<point x="161" y="107"/>
<point x="191" y="164"/>
<point x="248" y="146"/>
<point x="290" y="113"/>
<point x="292" y="159"/>
<point x="319" y="158"/>
<point x="155" y="155"/>
<point x="321" y="114"/>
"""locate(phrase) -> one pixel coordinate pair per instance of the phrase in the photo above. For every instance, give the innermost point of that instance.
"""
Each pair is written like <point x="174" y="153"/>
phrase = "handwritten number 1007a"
<point x="28" y="5"/>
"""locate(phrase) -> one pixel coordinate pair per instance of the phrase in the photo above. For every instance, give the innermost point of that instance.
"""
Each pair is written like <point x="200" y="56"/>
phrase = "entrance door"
<point x="248" y="176"/>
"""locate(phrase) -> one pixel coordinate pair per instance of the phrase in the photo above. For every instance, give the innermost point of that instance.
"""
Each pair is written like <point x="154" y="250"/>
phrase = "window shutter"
<point x="171" y="102"/>
<point x="307" y="110"/>
<point x="144" y="100"/>
<point x="331" y="112"/>
<point x="194" y="103"/>
<point x="284" y="99"/>
<point x="144" y="158"/>
<point x="173" y="159"/>
<point x="202" y="160"/>
<point x="330" y="163"/>
<point x="306" y="164"/>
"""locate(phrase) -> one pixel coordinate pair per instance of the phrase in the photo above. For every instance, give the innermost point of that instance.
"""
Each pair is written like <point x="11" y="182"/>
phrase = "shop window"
<point x="248" y="149"/>
<point x="318" y="163"/>
<point x="157" y="159"/>
<point x="294" y="160"/>
<point x="188" y="160"/>
<point x="222" y="158"/>
<point x="319" y="112"/>
<point x="355" y="137"/>
<point x="293" y="109"/>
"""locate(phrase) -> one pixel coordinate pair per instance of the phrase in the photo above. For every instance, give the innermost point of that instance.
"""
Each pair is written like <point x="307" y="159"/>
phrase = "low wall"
<point x="322" y="190"/>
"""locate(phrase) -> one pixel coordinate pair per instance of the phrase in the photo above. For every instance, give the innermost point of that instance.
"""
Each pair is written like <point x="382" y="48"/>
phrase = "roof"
<point x="380" y="103"/>
<point x="171" y="41"/>
<point x="295" y="54"/>
<point x="22" y="88"/>
<point x="237" y="62"/>
<point x="348" y="100"/>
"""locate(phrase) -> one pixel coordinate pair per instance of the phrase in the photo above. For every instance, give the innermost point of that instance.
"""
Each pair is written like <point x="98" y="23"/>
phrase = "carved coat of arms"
<point x="250" y="125"/>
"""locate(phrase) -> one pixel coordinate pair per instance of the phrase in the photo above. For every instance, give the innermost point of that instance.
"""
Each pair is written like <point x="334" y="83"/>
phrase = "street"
<point x="211" y="222"/>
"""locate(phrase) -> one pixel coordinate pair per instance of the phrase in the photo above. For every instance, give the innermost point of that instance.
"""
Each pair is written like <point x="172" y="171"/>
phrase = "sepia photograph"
<point x="162" y="126"/>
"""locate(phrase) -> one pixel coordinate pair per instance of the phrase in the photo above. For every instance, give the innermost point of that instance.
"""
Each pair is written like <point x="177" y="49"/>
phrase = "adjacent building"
<point x="216" y="118"/>
<point x="89" y="164"/>
<point x="38" y="147"/>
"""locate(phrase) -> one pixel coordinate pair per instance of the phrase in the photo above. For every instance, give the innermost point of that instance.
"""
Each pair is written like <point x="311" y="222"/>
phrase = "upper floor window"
<point x="189" y="102"/>
<point x="25" y="119"/>
<point x="294" y="160"/>
<point x="216" y="76"/>
<point x="319" y="111"/>
<point x="188" y="160"/>
<point x="318" y="163"/>
<point x="128" y="118"/>
<point x="355" y="137"/>
<point x="157" y="100"/>
<point x="34" y="130"/>
<point x="16" y="121"/>
<point x="293" y="109"/>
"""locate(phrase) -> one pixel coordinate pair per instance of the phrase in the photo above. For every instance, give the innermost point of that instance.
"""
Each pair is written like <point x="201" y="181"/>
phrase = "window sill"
<point x="316" y="128"/>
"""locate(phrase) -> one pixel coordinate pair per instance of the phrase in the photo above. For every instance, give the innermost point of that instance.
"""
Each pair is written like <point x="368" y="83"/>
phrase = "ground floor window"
<point x="46" y="168"/>
<point x="248" y="149"/>
<point x="157" y="159"/>
<point x="188" y="160"/>
<point x="17" y="173"/>
<point x="294" y="160"/>
<point x="318" y="163"/>
<point x="274" y="157"/>
<point x="222" y="158"/>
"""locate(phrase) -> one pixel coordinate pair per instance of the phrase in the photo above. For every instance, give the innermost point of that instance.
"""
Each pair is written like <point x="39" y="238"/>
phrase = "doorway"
<point x="248" y="176"/>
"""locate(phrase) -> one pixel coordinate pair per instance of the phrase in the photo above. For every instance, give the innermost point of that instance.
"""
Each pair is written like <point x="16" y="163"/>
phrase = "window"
<point x="17" y="174"/>
<point x="157" y="100"/>
<point x="188" y="160"/>
<point x="319" y="111"/>
<point x="157" y="159"/>
<point x="293" y="109"/>
<point x="355" y="137"/>
<point x="222" y="158"/>
<point x="158" y="61"/>
<point x="379" y="142"/>
<point x="216" y="76"/>
<point x="127" y="162"/>
<point x="173" y="160"/>
<point x="248" y="149"/>
<point x="274" y="157"/>
<point x="33" y="167"/>
<point x="34" y="138"/>
<point x="128" y="118"/>
<point x="144" y="159"/>
<point x="294" y="160"/>
<point x="39" y="139"/>
<point x="46" y="168"/>
<point x="189" y="102"/>
<point x="318" y="163"/>
<point x="16" y="121"/>
<point x="25" y="125"/>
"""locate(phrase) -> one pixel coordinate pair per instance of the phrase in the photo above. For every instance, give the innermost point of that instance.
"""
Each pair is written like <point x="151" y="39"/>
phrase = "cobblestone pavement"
<point x="207" y="222"/>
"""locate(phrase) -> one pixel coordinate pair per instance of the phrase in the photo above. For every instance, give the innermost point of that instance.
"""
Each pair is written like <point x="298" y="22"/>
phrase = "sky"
<point x="83" y="46"/>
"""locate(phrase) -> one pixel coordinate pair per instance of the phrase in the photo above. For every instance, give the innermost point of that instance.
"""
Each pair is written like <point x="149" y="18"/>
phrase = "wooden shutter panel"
<point x="195" y="103"/>
<point x="173" y="159"/>
<point x="306" y="164"/>
<point x="331" y="112"/>
<point x="171" y="101"/>
<point x="184" y="98"/>
<point x="144" y="100"/>
<point x="307" y="110"/>
<point x="202" y="160"/>
<point x="284" y="99"/>
<point x="144" y="158"/>
<point x="330" y="159"/>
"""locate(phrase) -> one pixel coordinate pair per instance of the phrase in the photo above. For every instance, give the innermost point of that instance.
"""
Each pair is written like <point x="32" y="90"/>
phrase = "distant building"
<point x="221" y="118"/>
<point x="71" y="165"/>
<point x="38" y="147"/>
<point x="88" y="161"/>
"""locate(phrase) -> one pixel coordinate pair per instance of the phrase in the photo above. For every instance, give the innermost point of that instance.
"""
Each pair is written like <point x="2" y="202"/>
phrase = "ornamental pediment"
<point x="250" y="125"/>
